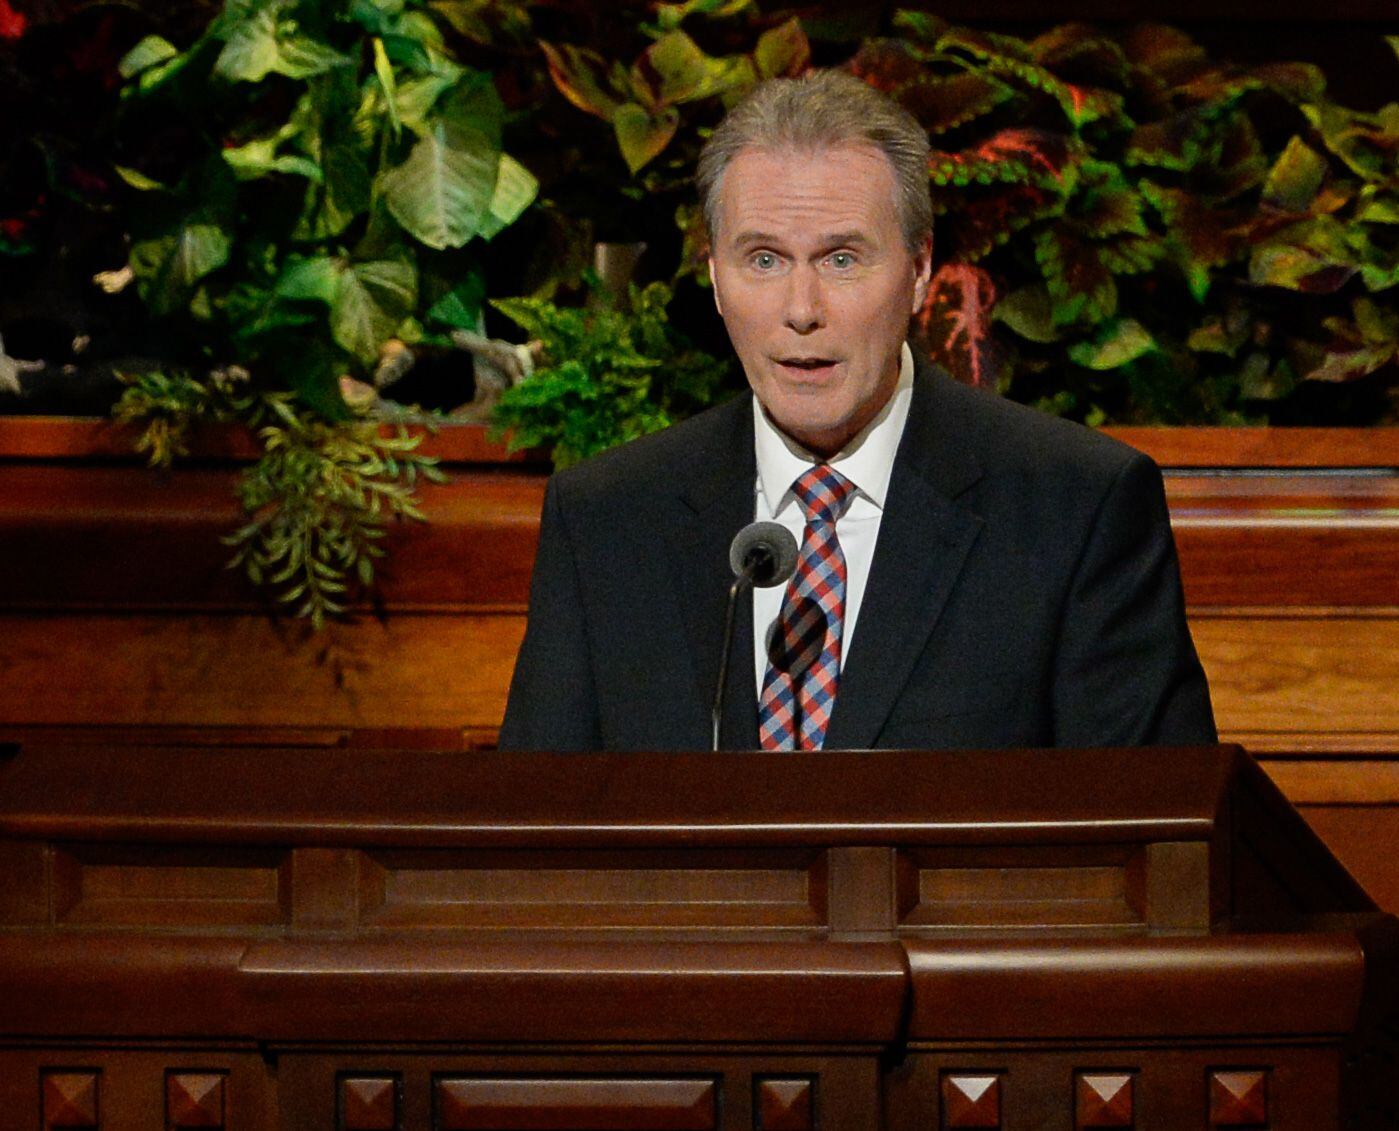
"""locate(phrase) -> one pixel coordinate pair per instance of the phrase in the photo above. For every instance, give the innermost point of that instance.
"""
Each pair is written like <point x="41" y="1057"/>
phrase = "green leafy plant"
<point x="331" y="169"/>
<point x="330" y="164"/>
<point x="1130" y="231"/>
<point x="319" y="499"/>
<point x="608" y="374"/>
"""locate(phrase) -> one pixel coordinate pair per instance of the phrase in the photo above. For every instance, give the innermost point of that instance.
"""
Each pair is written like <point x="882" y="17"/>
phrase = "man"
<point x="972" y="573"/>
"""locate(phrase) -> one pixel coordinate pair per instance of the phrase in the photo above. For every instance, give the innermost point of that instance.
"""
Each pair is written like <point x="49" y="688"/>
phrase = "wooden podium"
<point x="400" y="941"/>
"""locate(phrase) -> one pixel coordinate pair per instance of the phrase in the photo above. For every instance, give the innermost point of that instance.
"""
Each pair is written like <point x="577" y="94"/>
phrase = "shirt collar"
<point x="867" y="461"/>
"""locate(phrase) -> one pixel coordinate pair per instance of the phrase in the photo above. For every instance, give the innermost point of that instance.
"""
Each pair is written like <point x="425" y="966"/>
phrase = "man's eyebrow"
<point x="753" y="236"/>
<point x="852" y="238"/>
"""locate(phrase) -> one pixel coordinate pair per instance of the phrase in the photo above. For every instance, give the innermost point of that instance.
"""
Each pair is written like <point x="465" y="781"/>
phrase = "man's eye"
<point x="842" y="260"/>
<point x="764" y="260"/>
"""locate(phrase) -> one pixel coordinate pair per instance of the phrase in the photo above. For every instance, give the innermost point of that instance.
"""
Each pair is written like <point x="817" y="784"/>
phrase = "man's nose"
<point x="805" y="309"/>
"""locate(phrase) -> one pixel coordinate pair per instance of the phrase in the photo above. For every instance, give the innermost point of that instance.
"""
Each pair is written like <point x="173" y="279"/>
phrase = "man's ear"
<point x="923" y="273"/>
<point x="714" y="284"/>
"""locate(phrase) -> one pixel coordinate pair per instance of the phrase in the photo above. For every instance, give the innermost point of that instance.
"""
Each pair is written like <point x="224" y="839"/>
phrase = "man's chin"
<point x="819" y="435"/>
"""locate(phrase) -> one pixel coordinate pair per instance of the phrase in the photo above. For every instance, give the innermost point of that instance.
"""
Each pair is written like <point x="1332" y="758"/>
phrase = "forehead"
<point x="838" y="188"/>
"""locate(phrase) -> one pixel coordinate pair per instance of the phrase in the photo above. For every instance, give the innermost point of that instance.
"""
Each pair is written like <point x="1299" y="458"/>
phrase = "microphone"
<point x="762" y="554"/>
<point x="766" y="552"/>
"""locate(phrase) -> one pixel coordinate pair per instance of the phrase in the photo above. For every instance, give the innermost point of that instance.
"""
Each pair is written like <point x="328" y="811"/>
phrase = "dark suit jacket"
<point x="1024" y="592"/>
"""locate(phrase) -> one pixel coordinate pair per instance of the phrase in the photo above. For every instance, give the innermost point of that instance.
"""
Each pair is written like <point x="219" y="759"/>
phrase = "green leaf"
<point x="371" y="299"/>
<point x="783" y="51"/>
<point x="383" y="71"/>
<point x="674" y="69"/>
<point x="260" y="157"/>
<point x="515" y="190"/>
<point x="1029" y="312"/>
<point x="261" y="40"/>
<point x="642" y="137"/>
<point x="376" y="16"/>
<point x="146" y="54"/>
<point x="466" y="17"/>
<point x="317" y="279"/>
<point x="416" y="98"/>
<point x="1295" y="178"/>
<point x="138" y="180"/>
<point x="168" y="267"/>
<point x="1376" y="207"/>
<point x="460" y="307"/>
<point x="442" y="193"/>
<point x="669" y="16"/>
<point x="1120" y="341"/>
<point x="1375" y="323"/>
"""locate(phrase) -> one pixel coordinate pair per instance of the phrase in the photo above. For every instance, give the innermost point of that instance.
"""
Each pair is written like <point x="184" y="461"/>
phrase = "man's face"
<point x="815" y="285"/>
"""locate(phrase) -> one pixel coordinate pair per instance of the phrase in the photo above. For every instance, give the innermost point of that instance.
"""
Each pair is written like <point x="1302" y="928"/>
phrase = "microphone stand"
<point x="755" y="561"/>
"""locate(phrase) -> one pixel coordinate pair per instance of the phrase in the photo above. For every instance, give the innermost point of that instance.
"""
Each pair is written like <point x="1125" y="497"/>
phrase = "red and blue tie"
<point x="799" y="687"/>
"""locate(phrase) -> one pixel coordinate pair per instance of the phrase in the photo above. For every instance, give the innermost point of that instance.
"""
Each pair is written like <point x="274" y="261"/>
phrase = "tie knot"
<point x="824" y="493"/>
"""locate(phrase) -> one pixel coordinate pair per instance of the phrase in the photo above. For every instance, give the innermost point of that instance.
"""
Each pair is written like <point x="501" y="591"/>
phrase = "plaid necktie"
<point x="799" y="687"/>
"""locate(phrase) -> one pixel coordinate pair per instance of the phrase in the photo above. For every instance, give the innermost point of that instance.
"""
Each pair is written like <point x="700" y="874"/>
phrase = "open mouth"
<point x="806" y="364"/>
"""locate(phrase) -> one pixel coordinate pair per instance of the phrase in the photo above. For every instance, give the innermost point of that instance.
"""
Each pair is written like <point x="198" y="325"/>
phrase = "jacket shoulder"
<point x="662" y="462"/>
<point x="1005" y="435"/>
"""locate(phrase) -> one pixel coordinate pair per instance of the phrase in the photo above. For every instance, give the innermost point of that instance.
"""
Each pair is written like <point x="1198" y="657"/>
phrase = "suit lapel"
<point x="924" y="538"/>
<point x="715" y="505"/>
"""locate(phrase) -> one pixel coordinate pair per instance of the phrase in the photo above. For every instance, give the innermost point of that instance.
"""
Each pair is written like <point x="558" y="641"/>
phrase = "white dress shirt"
<point x="867" y="461"/>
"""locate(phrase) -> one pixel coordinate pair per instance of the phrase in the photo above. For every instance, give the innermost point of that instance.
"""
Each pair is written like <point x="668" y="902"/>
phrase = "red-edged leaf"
<point x="1013" y="156"/>
<point x="1338" y="366"/>
<point x="1313" y="257"/>
<point x="942" y="104"/>
<point x="1080" y="284"/>
<point x="1304" y="82"/>
<point x="674" y="69"/>
<point x="1199" y="237"/>
<point x="12" y="23"/>
<point x="956" y="320"/>
<point x="1171" y="54"/>
<point x="1242" y="162"/>
<point x="1040" y="152"/>
<point x="581" y="75"/>
<point x="1081" y="52"/>
<point x="886" y="64"/>
<point x="973" y="226"/>
<point x="922" y="26"/>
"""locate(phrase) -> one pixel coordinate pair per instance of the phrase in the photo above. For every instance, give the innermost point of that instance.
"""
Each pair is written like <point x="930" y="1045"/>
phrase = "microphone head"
<point x="767" y="551"/>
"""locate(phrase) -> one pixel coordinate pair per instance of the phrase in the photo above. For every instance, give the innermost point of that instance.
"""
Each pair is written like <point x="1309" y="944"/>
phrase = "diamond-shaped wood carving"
<point x="70" y="1100"/>
<point x="1103" y="1099"/>
<point x="1239" y="1097"/>
<point x="368" y="1103"/>
<point x="971" y="1099"/>
<point x="193" y="1100"/>
<point x="784" y="1103"/>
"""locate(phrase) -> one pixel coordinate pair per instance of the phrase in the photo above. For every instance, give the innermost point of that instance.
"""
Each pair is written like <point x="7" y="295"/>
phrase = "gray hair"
<point x="818" y="111"/>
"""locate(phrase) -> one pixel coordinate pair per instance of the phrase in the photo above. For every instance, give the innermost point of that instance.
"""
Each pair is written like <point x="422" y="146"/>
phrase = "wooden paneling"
<point x="244" y="671"/>
<point x="1297" y="679"/>
<point x="116" y="608"/>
